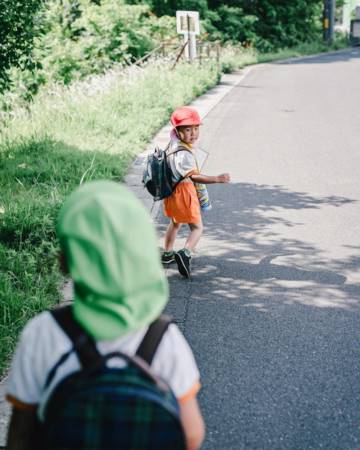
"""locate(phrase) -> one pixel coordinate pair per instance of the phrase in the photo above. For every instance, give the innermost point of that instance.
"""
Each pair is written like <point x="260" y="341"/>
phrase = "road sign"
<point x="188" y="24"/>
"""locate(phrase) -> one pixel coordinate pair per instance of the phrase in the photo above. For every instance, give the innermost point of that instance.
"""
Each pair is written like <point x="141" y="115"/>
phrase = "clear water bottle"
<point x="203" y="196"/>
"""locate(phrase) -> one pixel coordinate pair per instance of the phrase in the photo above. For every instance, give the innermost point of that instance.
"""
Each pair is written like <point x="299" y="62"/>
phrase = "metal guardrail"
<point x="175" y="51"/>
<point x="209" y="50"/>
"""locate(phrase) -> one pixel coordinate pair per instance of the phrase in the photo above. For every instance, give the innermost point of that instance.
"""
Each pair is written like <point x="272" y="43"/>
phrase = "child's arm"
<point x="207" y="179"/>
<point x="23" y="430"/>
<point x="192" y="423"/>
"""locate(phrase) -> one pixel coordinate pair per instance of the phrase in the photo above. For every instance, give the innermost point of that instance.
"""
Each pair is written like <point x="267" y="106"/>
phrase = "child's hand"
<point x="223" y="178"/>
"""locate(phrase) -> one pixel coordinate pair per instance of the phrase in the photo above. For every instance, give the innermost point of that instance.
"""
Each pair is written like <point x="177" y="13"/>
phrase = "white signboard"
<point x="356" y="30"/>
<point x="188" y="22"/>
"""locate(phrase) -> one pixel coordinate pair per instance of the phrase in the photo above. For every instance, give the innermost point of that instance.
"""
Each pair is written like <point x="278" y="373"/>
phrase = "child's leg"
<point x="170" y="235"/>
<point x="196" y="230"/>
<point x="183" y="257"/>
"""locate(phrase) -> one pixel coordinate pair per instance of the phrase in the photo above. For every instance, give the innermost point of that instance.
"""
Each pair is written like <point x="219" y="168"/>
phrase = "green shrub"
<point x="19" y="25"/>
<point x="100" y="36"/>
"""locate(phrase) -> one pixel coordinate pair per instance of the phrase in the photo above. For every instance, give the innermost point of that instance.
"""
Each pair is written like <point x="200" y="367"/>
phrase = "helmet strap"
<point x="178" y="133"/>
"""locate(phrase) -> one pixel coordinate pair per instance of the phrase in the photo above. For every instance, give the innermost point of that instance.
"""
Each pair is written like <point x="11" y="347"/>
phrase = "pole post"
<point x="190" y="50"/>
<point x="332" y="19"/>
<point x="329" y="20"/>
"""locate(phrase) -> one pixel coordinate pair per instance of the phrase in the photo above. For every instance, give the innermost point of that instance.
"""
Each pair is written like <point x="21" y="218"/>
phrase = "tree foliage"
<point x="65" y="40"/>
<point x="267" y="24"/>
<point x="101" y="35"/>
<point x="92" y="37"/>
<point x="19" y="25"/>
<point x="284" y="24"/>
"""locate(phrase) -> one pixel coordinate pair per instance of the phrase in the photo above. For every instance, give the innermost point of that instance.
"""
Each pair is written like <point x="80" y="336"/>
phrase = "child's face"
<point x="189" y="134"/>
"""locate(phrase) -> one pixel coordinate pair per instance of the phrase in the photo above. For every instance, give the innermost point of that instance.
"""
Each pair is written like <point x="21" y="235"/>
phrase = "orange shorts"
<point x="183" y="204"/>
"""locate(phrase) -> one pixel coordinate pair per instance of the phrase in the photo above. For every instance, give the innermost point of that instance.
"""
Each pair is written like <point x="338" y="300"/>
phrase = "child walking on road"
<point x="183" y="205"/>
<point x="109" y="248"/>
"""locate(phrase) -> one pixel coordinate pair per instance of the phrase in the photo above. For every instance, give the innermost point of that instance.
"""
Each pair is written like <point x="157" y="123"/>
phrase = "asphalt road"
<point x="273" y="310"/>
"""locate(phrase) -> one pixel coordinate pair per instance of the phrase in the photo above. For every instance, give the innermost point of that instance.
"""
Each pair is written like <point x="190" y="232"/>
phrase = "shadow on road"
<point x="245" y="258"/>
<point x="276" y="340"/>
<point x="273" y="323"/>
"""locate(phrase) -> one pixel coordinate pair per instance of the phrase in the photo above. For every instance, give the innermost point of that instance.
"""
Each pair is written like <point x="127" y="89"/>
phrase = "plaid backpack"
<point x="101" y="408"/>
<point x="158" y="176"/>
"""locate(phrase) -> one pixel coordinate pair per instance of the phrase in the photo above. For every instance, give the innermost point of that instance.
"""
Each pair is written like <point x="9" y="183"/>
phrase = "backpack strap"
<point x="152" y="338"/>
<point x="84" y="345"/>
<point x="180" y="148"/>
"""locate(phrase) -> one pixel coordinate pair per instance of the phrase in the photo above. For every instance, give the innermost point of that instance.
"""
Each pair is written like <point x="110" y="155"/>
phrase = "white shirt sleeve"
<point x="38" y="350"/>
<point x="23" y="383"/>
<point x="175" y="362"/>
<point x="184" y="162"/>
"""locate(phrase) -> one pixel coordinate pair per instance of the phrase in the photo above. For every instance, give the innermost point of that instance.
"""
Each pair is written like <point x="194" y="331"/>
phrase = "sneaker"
<point x="168" y="257"/>
<point x="182" y="259"/>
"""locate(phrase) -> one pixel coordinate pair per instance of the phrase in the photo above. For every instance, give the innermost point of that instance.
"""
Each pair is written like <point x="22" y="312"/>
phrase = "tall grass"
<point x="112" y="113"/>
<point x="36" y="175"/>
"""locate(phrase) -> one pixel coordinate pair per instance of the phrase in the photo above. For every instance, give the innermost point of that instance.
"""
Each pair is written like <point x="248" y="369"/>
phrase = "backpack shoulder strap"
<point x="179" y="148"/>
<point x="84" y="345"/>
<point x="152" y="338"/>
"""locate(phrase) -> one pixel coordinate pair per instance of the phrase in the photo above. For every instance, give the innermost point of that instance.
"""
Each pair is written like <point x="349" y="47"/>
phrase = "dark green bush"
<point x="19" y="25"/>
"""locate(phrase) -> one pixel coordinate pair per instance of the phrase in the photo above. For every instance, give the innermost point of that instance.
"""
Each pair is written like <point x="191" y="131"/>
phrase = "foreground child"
<point x="183" y="205"/>
<point x="109" y="248"/>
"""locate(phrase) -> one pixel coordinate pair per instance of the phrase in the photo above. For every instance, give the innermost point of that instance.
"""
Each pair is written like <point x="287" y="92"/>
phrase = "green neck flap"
<point x="112" y="255"/>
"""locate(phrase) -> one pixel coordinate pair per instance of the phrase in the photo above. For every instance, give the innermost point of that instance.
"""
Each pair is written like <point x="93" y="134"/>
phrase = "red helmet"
<point x="185" y="116"/>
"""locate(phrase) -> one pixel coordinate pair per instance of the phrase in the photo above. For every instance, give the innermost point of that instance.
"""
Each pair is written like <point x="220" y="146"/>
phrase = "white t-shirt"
<point x="182" y="162"/>
<point x="43" y="342"/>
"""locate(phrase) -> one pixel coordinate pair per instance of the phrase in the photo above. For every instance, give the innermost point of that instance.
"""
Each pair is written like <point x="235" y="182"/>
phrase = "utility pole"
<point x="329" y="20"/>
<point x="190" y="47"/>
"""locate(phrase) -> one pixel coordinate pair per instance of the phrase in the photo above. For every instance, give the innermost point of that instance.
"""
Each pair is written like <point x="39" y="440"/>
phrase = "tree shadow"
<point x="249" y="260"/>
<point x="276" y="339"/>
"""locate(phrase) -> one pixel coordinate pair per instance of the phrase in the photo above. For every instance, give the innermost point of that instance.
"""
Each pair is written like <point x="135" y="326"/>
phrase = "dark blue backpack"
<point x="101" y="408"/>
<point x="157" y="175"/>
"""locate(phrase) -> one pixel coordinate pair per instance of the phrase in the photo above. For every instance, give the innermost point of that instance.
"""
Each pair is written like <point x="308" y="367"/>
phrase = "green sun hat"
<point x="111" y="251"/>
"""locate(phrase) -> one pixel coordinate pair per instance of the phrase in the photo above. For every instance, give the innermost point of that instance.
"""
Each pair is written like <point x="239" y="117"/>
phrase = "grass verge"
<point x="233" y="58"/>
